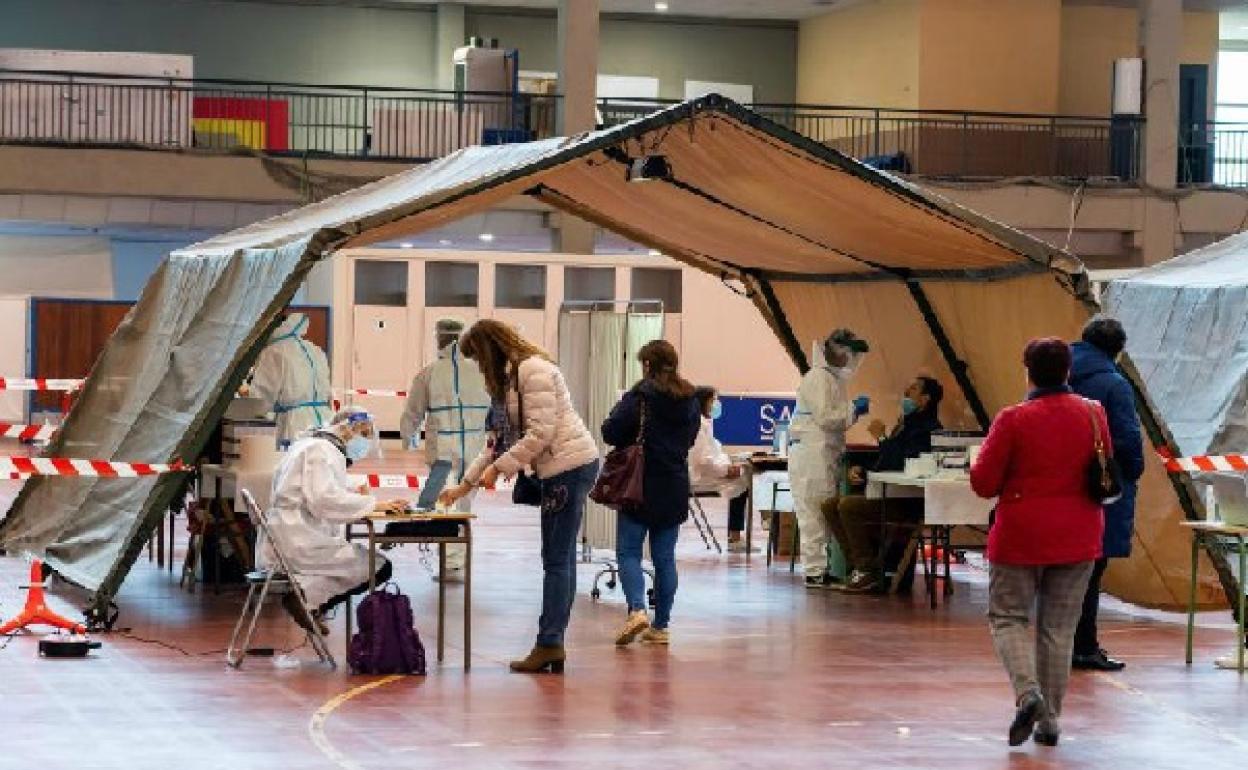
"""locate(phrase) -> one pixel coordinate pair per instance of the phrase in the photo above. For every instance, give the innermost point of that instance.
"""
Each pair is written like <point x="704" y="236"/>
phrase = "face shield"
<point x="843" y="352"/>
<point x="358" y="433"/>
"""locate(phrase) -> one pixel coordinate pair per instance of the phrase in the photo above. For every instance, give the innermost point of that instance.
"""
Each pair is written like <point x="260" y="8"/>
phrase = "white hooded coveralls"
<point x="820" y="420"/>
<point x="292" y="375"/>
<point x="709" y="464"/>
<point x="448" y="396"/>
<point x="312" y="501"/>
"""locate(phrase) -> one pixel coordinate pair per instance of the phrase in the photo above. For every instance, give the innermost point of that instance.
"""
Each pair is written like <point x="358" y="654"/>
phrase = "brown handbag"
<point x="621" y="482"/>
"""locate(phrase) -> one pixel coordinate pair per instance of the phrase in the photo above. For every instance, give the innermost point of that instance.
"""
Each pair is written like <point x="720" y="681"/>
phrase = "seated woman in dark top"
<point x="855" y="520"/>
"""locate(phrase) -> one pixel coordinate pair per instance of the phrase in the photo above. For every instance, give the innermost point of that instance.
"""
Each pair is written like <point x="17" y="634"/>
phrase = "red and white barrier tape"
<point x="27" y="432"/>
<point x="386" y="481"/>
<point x="1205" y="463"/>
<point x="375" y="392"/>
<point x="67" y="466"/>
<point x="11" y="383"/>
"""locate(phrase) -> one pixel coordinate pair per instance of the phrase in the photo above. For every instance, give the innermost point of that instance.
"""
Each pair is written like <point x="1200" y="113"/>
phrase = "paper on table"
<point x="952" y="502"/>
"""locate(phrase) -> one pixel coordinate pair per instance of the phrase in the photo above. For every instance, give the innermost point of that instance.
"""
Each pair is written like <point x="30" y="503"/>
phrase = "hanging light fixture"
<point x="648" y="168"/>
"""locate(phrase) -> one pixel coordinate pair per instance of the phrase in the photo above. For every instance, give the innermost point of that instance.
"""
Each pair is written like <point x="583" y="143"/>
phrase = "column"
<point x="450" y="34"/>
<point x="1161" y="33"/>
<point x="578" y="65"/>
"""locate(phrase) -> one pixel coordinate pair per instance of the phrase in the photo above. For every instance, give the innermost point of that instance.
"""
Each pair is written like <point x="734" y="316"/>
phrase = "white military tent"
<point x="816" y="239"/>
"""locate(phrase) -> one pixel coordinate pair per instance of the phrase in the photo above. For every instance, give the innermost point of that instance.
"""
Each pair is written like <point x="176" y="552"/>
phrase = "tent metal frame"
<point x="323" y="241"/>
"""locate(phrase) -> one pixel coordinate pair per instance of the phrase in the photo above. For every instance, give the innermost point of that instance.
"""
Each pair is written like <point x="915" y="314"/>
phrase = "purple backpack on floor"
<point x="387" y="642"/>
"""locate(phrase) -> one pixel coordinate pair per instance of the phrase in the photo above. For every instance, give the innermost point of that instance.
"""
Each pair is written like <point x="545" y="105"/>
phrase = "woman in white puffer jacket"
<point x="550" y="438"/>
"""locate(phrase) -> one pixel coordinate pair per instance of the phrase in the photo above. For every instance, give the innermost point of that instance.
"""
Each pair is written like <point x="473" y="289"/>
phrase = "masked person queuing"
<point x="541" y="430"/>
<point x="312" y="501"/>
<point x="291" y="376"/>
<point x="662" y="412"/>
<point x="822" y="416"/>
<point x="855" y="520"/>
<point x="711" y="468"/>
<point x="1094" y="375"/>
<point x="449" y="399"/>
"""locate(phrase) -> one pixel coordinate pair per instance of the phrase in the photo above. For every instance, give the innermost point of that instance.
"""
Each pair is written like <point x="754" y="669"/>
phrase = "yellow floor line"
<point x="316" y="726"/>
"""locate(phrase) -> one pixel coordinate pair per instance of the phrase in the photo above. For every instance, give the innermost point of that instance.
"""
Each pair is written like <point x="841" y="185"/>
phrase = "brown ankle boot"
<point x="541" y="659"/>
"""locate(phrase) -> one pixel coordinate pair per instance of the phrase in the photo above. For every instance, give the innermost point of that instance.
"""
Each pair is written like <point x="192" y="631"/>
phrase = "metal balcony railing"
<point x="419" y="124"/>
<point x="1214" y="153"/>
<point x="943" y="143"/>
<point x="276" y="118"/>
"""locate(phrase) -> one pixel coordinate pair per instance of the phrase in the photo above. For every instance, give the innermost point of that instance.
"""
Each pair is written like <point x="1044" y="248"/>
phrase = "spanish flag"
<point x="261" y="124"/>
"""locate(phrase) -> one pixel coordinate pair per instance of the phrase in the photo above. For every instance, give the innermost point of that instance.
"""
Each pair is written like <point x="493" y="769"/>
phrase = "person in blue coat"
<point x="1094" y="375"/>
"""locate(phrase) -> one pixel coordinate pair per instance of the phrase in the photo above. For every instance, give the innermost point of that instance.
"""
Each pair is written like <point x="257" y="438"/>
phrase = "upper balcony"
<point x="363" y="122"/>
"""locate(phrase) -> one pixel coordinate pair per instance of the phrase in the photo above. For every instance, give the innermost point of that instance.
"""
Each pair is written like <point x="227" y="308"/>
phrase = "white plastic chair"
<point x="276" y="579"/>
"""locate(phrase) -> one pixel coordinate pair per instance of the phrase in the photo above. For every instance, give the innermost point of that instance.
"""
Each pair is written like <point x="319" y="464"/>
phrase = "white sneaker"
<point x="1228" y="663"/>
<point x="638" y="621"/>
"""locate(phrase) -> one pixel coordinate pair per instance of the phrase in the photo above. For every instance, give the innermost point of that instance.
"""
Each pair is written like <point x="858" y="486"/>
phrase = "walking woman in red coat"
<point x="1046" y="534"/>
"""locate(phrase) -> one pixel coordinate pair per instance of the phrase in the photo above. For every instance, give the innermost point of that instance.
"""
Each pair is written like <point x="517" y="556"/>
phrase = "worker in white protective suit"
<point x="312" y="501"/>
<point x="823" y="414"/>
<point x="292" y="376"/>
<point x="449" y="398"/>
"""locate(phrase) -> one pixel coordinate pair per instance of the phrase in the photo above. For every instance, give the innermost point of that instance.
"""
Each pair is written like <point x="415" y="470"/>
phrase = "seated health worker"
<point x="711" y="469"/>
<point x="312" y="501"/>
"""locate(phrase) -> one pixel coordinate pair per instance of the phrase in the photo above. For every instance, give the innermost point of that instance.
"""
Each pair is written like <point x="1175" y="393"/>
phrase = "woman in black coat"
<point x="661" y="408"/>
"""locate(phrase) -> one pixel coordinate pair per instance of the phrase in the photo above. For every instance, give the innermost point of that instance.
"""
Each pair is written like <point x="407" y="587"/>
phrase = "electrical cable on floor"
<point x="126" y="633"/>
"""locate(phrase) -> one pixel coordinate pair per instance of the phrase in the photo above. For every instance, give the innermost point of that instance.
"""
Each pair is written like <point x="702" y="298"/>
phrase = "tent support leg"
<point x="955" y="364"/>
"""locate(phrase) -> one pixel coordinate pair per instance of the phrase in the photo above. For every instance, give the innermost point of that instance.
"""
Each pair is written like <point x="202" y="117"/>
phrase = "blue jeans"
<point x="563" y="506"/>
<point x="630" y="537"/>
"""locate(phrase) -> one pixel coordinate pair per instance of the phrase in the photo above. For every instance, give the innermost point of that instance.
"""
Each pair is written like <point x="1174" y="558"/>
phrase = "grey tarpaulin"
<point x="817" y="239"/>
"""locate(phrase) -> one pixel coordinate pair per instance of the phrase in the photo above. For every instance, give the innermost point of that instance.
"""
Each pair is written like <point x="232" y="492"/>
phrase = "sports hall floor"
<point x="761" y="674"/>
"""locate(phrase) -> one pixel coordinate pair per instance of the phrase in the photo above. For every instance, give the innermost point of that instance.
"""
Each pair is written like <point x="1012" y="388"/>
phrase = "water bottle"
<point x="780" y="439"/>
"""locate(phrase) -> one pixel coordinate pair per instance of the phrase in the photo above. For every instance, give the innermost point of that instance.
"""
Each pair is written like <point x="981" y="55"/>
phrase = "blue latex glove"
<point x="862" y="405"/>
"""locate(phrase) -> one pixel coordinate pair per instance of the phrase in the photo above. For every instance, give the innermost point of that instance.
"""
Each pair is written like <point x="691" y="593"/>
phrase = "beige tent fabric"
<point x="884" y="314"/>
<point x="819" y="239"/>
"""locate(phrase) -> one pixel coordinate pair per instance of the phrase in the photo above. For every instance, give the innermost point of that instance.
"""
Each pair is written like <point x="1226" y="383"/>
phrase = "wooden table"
<point x="1212" y="532"/>
<point x="464" y="520"/>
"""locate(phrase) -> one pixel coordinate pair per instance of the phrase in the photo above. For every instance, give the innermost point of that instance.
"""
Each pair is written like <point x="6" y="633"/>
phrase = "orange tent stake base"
<point x="36" y="611"/>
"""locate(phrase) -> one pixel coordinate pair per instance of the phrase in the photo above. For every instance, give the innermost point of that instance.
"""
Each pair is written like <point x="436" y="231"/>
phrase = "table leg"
<point x="948" y="546"/>
<point x="372" y="556"/>
<point x="882" y="552"/>
<point x="1191" y="596"/>
<point x="467" y="596"/>
<point x="749" y="512"/>
<point x="1239" y="642"/>
<point x="934" y="542"/>
<point x="441" y="601"/>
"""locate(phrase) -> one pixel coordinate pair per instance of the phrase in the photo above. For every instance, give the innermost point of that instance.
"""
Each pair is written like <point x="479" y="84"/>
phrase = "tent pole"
<point x="955" y="364"/>
<point x="780" y="323"/>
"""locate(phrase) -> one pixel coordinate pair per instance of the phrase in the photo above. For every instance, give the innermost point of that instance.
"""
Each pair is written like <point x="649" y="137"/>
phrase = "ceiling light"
<point x="660" y="6"/>
<point x="649" y="168"/>
<point x="486" y="237"/>
<point x="655" y="253"/>
<point x="406" y="245"/>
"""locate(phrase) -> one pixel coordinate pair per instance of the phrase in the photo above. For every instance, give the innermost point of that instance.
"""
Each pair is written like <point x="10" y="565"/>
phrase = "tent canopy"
<point x="1187" y="324"/>
<point x="817" y="239"/>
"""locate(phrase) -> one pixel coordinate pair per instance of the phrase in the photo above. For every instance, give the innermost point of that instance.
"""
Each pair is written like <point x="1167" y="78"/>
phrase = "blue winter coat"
<point x="1093" y="375"/>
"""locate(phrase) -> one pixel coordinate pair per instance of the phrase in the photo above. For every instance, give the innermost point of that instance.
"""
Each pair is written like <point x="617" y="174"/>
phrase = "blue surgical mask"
<point x="358" y="448"/>
<point x="909" y="405"/>
<point x="717" y="410"/>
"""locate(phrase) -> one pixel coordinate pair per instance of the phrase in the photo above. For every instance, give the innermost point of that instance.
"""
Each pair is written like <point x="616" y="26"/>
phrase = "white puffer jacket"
<point x="555" y="438"/>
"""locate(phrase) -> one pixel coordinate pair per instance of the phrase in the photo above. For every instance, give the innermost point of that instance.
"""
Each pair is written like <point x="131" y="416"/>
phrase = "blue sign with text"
<point x="751" y="420"/>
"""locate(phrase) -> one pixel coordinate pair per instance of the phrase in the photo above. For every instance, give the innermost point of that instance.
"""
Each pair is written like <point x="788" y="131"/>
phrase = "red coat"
<point x="1035" y="460"/>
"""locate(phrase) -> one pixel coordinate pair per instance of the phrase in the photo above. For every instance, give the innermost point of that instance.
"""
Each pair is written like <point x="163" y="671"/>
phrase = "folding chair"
<point x="700" y="520"/>
<point x="276" y="579"/>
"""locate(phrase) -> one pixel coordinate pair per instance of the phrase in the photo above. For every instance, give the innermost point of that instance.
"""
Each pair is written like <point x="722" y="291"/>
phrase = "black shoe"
<point x="1097" y="661"/>
<point x="1045" y="738"/>
<point x="1030" y="709"/>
